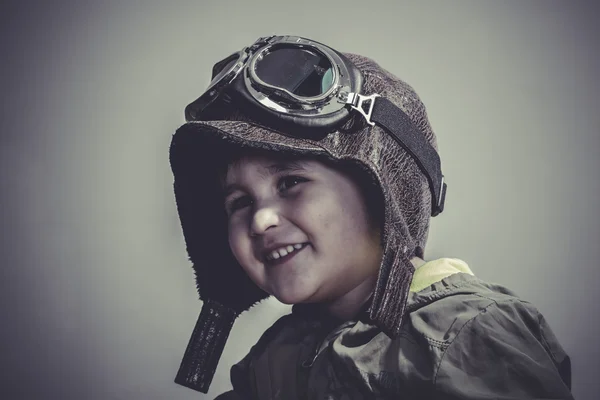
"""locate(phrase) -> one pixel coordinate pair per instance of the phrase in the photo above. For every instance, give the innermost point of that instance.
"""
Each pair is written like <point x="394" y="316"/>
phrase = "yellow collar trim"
<point x="436" y="270"/>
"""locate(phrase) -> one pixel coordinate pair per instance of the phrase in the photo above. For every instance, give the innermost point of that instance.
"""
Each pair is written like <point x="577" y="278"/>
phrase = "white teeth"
<point x="284" y="251"/>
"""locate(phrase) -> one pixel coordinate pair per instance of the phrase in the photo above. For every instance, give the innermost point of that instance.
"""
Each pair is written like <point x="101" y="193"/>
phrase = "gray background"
<point x="97" y="297"/>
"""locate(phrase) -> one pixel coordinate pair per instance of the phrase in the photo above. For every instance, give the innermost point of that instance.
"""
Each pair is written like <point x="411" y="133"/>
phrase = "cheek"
<point x="327" y="220"/>
<point x="238" y="244"/>
<point x="348" y="216"/>
<point x="315" y="213"/>
<point x="241" y="248"/>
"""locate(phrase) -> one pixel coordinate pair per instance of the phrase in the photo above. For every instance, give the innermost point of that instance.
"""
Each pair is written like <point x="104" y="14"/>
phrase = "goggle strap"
<point x="387" y="115"/>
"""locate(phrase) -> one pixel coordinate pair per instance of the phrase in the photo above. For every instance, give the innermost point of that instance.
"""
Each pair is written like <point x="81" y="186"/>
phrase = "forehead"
<point x="265" y="165"/>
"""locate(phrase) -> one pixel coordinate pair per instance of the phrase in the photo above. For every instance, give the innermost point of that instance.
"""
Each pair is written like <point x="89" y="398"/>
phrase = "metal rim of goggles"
<point x="279" y="98"/>
<point x="308" y="102"/>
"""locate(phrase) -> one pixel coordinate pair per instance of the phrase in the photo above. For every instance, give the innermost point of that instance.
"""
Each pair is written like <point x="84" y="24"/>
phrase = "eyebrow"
<point x="273" y="169"/>
<point x="286" y="166"/>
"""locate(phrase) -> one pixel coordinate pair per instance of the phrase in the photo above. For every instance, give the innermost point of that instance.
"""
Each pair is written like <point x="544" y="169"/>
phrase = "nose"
<point x="263" y="219"/>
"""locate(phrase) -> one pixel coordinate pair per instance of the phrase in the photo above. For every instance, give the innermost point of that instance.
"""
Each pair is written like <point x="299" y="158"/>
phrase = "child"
<point x="311" y="175"/>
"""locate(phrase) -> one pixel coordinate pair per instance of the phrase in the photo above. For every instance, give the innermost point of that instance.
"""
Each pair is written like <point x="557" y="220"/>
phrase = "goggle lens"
<point x="302" y="72"/>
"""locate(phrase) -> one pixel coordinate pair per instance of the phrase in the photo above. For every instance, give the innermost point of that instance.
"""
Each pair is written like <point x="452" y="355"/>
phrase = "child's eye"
<point x="287" y="182"/>
<point x="238" y="203"/>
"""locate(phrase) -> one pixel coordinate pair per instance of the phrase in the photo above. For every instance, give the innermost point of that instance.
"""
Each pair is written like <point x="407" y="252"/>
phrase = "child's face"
<point x="273" y="204"/>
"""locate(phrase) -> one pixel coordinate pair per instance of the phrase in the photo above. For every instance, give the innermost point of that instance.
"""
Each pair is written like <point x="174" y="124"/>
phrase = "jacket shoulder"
<point x="486" y="342"/>
<point x="439" y="312"/>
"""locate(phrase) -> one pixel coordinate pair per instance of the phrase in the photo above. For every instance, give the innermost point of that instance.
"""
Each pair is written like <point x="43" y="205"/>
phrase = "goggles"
<point x="306" y="89"/>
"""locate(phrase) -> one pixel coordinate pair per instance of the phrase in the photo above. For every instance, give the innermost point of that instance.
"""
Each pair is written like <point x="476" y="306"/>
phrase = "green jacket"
<point x="465" y="339"/>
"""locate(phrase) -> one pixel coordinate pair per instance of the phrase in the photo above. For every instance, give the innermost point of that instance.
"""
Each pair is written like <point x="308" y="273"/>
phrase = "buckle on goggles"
<point x="356" y="102"/>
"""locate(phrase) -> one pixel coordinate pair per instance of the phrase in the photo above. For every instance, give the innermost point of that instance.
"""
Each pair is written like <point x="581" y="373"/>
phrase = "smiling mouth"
<point x="284" y="254"/>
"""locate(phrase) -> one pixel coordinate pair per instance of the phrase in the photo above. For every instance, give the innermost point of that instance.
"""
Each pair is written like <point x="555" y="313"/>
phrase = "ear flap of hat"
<point x="388" y="308"/>
<point x="222" y="285"/>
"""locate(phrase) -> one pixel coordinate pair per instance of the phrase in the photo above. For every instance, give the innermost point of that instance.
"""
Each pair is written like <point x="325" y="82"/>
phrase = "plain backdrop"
<point x="97" y="295"/>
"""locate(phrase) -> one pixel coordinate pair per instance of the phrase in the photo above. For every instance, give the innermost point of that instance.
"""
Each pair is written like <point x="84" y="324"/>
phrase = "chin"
<point x="291" y="297"/>
<point x="287" y="299"/>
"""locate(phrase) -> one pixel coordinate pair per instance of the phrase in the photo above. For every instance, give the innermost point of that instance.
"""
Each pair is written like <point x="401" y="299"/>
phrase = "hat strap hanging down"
<point x="205" y="347"/>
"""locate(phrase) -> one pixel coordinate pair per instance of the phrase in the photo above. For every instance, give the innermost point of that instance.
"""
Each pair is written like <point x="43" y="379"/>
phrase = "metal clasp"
<point x="439" y="207"/>
<point x="356" y="101"/>
<point x="260" y="42"/>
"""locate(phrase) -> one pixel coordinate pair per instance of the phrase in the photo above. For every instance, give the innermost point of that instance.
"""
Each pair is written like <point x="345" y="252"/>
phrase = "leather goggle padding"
<point x="218" y="67"/>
